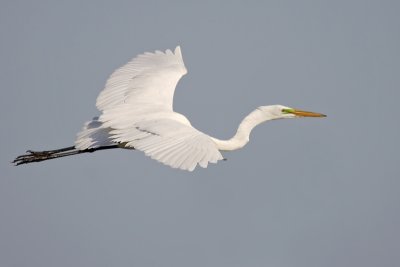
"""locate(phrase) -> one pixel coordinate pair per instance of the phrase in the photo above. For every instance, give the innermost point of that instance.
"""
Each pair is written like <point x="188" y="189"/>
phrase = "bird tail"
<point x="37" y="156"/>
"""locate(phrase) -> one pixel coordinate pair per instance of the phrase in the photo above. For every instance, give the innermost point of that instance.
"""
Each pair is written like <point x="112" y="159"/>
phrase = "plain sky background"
<point x="306" y="192"/>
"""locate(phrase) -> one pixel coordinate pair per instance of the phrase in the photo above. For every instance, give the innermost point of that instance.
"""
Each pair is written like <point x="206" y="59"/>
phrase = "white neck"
<point x="242" y="135"/>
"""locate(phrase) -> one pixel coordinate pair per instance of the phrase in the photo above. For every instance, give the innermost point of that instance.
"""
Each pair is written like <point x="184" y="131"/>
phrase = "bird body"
<point x="136" y="108"/>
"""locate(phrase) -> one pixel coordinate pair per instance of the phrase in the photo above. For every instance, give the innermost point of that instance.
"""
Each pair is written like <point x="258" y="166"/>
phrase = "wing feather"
<point x="148" y="79"/>
<point x="171" y="142"/>
<point x="137" y="111"/>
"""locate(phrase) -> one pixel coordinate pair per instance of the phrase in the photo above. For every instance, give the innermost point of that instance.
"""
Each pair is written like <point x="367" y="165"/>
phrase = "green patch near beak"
<point x="301" y="113"/>
<point x="287" y="111"/>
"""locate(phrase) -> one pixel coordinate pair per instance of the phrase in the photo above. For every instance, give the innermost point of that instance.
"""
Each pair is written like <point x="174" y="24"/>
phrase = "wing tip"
<point x="178" y="50"/>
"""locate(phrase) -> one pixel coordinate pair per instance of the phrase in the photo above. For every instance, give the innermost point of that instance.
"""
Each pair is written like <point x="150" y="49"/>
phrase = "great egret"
<point x="136" y="113"/>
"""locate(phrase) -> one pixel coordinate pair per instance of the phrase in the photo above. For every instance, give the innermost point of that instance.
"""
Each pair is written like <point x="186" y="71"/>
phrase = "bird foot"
<point x="32" y="156"/>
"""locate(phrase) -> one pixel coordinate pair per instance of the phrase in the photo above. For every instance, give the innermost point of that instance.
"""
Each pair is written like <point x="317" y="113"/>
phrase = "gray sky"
<point x="309" y="192"/>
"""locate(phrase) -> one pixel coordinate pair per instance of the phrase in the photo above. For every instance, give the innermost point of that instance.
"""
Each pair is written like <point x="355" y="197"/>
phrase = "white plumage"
<point x="137" y="112"/>
<point x="136" y="106"/>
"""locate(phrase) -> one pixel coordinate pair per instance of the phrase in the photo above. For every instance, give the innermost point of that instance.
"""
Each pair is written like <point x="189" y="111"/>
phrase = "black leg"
<point x="37" y="156"/>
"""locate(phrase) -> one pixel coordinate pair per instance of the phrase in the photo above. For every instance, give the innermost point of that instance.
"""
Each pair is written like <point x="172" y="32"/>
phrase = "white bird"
<point x="136" y="113"/>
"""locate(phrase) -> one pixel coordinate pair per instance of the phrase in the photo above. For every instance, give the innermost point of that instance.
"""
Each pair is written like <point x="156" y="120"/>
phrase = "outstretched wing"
<point x="171" y="142"/>
<point x="137" y="111"/>
<point x="148" y="80"/>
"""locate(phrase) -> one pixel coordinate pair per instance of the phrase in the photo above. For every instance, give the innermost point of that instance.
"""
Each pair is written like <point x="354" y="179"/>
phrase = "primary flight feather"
<point x="137" y="113"/>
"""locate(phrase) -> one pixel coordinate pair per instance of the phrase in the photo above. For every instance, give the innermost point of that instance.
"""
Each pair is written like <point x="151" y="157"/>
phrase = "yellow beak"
<point x="302" y="113"/>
